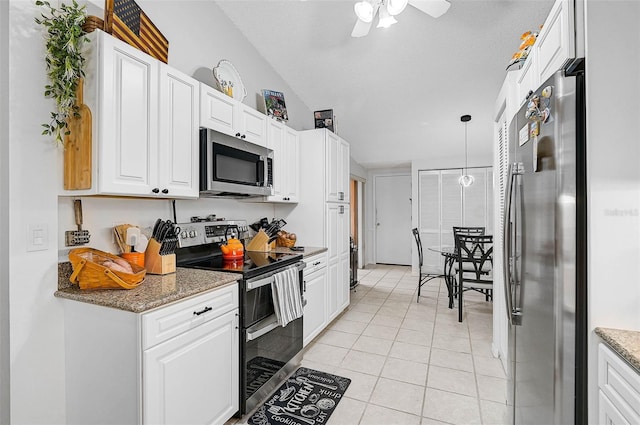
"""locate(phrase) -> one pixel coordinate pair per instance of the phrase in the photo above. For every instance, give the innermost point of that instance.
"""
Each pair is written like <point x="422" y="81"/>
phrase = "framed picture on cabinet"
<point x="274" y="104"/>
<point x="324" y="119"/>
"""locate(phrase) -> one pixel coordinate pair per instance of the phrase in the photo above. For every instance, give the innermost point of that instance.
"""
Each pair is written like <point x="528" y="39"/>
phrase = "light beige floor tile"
<point x="347" y="412"/>
<point x="412" y="352"/>
<point x="455" y="381"/>
<point x="363" y="362"/>
<point x="384" y="332"/>
<point x="492" y="389"/>
<point x="361" y="386"/>
<point x="458" y="329"/>
<point x="417" y="324"/>
<point x="489" y="366"/>
<point x="374" y="345"/>
<point x="398" y="395"/>
<point x="481" y="347"/>
<point x="326" y="354"/>
<point x="377" y="415"/>
<point x="387" y="283"/>
<point x="391" y="311"/>
<point x="395" y="304"/>
<point x="309" y="364"/>
<point x="405" y="371"/>
<point x="414" y="337"/>
<point x="425" y="315"/>
<point x="364" y="308"/>
<point x="390" y="321"/>
<point x="451" y="408"/>
<point x="494" y="413"/>
<point x="357" y="316"/>
<point x="451" y="360"/>
<point x="368" y="299"/>
<point x="338" y="339"/>
<point x="348" y="326"/>
<point x="429" y="421"/>
<point x="460" y="345"/>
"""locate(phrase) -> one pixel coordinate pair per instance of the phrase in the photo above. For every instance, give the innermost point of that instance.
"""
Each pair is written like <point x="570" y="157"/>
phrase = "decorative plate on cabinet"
<point x="229" y="81"/>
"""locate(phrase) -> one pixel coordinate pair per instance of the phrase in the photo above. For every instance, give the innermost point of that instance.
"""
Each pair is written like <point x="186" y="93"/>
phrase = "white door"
<point x="315" y="311"/>
<point x="393" y="219"/>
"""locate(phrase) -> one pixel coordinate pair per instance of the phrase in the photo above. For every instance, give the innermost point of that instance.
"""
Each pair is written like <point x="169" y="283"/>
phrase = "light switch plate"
<point x="37" y="237"/>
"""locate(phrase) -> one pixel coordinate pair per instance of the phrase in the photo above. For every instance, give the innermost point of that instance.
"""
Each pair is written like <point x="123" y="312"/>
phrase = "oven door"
<point x="270" y="352"/>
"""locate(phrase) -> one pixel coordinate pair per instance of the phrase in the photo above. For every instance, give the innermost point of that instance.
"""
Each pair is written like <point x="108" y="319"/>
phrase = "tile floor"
<point x="411" y="363"/>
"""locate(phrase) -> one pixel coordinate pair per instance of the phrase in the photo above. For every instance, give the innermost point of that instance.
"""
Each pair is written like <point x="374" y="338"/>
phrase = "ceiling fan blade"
<point x="435" y="8"/>
<point x="361" y="28"/>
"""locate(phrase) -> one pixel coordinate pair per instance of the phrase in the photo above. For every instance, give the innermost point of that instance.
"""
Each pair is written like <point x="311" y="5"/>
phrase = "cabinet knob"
<point x="165" y="191"/>
<point x="237" y="134"/>
<point x="244" y="136"/>
<point x="155" y="190"/>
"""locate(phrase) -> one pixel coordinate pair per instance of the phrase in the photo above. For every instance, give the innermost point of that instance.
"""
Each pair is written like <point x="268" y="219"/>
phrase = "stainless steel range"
<point x="269" y="352"/>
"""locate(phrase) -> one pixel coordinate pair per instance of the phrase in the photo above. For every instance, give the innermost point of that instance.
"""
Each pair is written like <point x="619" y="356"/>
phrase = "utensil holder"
<point x="156" y="263"/>
<point x="259" y="243"/>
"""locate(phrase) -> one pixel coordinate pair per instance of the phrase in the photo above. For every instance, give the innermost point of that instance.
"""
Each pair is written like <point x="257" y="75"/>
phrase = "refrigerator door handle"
<point x="508" y="263"/>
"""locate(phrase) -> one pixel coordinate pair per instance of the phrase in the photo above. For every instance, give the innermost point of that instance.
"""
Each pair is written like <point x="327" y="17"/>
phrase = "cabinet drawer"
<point x="620" y="383"/>
<point x="608" y="414"/>
<point x="167" y="322"/>
<point x="315" y="263"/>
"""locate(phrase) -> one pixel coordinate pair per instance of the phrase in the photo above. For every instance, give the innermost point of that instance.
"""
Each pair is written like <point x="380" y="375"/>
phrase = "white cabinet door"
<point x="315" y="310"/>
<point x="333" y="164"/>
<point x="217" y="110"/>
<point x="338" y="257"/>
<point x="343" y="171"/>
<point x="608" y="414"/>
<point x="252" y="125"/>
<point x="527" y="79"/>
<point x="555" y="41"/>
<point x="291" y="165"/>
<point x="179" y="134"/>
<point x="275" y="142"/>
<point x="343" y="285"/>
<point x="193" y="378"/>
<point x="128" y="120"/>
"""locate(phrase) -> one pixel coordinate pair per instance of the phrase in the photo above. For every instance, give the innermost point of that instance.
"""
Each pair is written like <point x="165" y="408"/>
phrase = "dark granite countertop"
<point x="154" y="291"/>
<point x="625" y="343"/>
<point x="308" y="250"/>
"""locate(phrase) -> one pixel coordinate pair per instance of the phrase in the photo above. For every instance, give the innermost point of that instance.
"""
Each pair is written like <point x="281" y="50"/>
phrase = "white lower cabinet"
<point x="315" y="295"/>
<point x="176" y="364"/>
<point x="619" y="389"/>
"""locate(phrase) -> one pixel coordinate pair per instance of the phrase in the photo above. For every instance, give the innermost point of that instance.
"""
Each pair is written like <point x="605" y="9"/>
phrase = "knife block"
<point x="259" y="243"/>
<point x="156" y="263"/>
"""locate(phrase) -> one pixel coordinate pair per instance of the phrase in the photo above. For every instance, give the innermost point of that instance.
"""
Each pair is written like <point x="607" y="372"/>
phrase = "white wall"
<point x="613" y="160"/>
<point x="199" y="36"/>
<point x="4" y="212"/>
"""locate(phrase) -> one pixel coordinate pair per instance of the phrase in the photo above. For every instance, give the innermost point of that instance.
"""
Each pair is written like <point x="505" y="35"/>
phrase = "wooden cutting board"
<point x="77" y="146"/>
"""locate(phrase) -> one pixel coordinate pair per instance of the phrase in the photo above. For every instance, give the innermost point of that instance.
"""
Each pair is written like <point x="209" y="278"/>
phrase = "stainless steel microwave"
<point x="234" y="168"/>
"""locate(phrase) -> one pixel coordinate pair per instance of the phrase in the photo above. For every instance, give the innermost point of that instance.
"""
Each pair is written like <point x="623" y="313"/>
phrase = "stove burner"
<point x="210" y="217"/>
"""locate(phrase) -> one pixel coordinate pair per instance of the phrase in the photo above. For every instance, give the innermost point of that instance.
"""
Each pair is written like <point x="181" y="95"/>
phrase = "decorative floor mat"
<point x="308" y="397"/>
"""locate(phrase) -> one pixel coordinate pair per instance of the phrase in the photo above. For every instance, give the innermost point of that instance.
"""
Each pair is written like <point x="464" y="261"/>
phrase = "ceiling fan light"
<point x="364" y="11"/>
<point x="385" y="20"/>
<point x="395" y="7"/>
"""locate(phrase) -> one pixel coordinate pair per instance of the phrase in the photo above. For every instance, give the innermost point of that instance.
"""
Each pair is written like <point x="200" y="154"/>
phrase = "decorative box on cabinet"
<point x="619" y="389"/>
<point x="222" y="113"/>
<point x="145" y="123"/>
<point x="175" y="364"/>
<point x="315" y="291"/>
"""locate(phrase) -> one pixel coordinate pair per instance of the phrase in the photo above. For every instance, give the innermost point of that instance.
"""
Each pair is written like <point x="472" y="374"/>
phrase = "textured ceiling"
<point x="397" y="93"/>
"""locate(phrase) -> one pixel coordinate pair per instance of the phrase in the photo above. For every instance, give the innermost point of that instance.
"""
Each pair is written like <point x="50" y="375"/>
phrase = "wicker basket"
<point x="90" y="273"/>
<point x="288" y="243"/>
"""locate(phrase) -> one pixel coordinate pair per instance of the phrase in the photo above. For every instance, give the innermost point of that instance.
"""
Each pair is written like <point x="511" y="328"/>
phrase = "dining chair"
<point x="422" y="276"/>
<point x="474" y="267"/>
<point x="463" y="230"/>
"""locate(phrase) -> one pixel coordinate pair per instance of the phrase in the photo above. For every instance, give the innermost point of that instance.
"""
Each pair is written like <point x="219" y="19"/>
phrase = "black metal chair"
<point x="475" y="266"/>
<point x="422" y="276"/>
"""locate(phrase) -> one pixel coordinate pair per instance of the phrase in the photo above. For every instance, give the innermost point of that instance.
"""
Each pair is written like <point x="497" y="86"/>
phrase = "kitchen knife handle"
<point x="77" y="209"/>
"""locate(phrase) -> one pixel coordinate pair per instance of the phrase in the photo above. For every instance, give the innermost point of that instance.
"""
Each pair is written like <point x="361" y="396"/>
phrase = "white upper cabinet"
<point x="179" y="135"/>
<point x="222" y="113"/>
<point x="338" y="168"/>
<point x="555" y="43"/>
<point x="284" y="142"/>
<point x="144" y="123"/>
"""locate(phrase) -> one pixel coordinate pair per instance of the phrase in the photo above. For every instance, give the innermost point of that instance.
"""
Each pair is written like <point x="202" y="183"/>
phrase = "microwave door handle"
<point x="261" y="171"/>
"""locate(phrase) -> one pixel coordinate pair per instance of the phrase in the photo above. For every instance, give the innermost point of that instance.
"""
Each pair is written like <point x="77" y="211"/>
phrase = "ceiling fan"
<point x="366" y="10"/>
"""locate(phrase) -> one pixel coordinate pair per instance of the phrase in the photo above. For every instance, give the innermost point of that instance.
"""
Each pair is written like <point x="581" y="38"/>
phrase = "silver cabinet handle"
<point x="341" y="209"/>
<point x="341" y="196"/>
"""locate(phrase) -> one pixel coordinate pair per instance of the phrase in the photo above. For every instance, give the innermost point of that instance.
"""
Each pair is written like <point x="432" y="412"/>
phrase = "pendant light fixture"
<point x="465" y="180"/>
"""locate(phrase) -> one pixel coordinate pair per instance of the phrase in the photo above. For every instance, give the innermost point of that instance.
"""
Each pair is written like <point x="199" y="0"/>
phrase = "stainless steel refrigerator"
<point x="545" y="248"/>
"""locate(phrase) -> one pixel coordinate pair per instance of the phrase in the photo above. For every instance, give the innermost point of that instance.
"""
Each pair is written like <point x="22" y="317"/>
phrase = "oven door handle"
<point x="262" y="281"/>
<point x="264" y="326"/>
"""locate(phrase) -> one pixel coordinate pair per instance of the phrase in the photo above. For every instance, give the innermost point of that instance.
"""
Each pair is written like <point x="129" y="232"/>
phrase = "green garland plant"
<point x="64" y="61"/>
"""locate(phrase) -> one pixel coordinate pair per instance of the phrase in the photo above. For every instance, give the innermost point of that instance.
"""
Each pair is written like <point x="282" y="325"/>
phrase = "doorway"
<point x="393" y="219"/>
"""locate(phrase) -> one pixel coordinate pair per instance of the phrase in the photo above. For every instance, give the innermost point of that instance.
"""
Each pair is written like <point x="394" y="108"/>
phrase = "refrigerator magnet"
<point x="534" y="129"/>
<point x="523" y="136"/>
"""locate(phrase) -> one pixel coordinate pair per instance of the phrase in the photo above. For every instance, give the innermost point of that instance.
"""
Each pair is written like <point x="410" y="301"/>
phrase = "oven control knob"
<point x="193" y="234"/>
